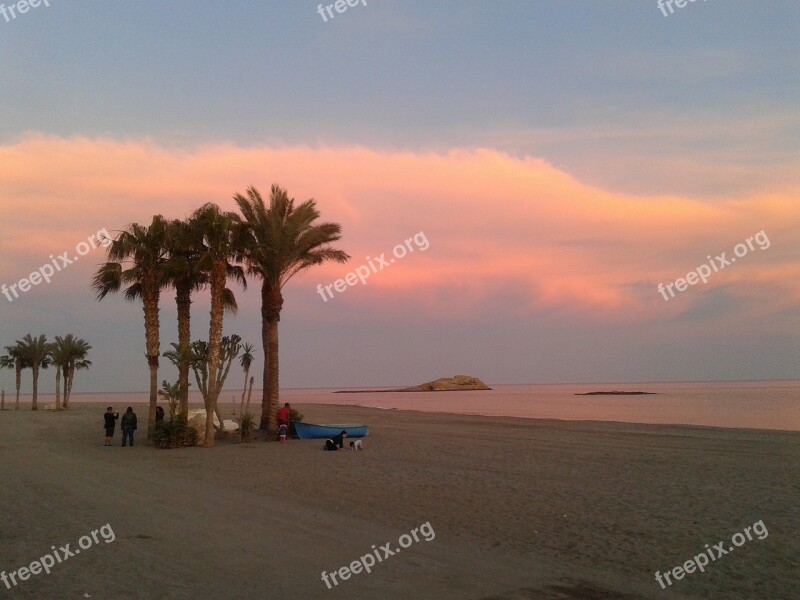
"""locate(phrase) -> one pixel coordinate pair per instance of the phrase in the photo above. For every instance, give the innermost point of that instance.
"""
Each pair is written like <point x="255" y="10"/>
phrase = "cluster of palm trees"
<point x="67" y="354"/>
<point x="270" y="242"/>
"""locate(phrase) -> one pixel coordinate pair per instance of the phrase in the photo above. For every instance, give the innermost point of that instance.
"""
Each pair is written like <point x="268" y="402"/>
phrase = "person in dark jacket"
<point x="110" y="418"/>
<point x="340" y="439"/>
<point x="337" y="442"/>
<point x="159" y="414"/>
<point x="128" y="424"/>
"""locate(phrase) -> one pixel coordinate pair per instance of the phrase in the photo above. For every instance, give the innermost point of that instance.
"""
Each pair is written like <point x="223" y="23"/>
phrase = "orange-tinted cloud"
<point x="495" y="223"/>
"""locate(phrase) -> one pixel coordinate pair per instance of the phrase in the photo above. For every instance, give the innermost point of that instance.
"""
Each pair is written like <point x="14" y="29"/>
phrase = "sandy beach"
<point x="521" y="509"/>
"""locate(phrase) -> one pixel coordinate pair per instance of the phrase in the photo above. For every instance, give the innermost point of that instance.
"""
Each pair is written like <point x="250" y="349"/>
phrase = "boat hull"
<point x="311" y="431"/>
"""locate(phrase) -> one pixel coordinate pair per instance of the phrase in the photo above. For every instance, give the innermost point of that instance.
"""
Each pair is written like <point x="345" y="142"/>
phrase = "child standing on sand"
<point x="110" y="418"/>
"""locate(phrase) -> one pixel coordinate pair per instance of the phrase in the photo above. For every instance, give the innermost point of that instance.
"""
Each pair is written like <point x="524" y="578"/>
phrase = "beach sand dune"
<point x="521" y="509"/>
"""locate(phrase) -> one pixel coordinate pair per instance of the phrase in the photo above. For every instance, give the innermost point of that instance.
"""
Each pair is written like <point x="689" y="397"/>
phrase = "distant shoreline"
<point x="771" y="406"/>
<point x="616" y="393"/>
<point x="403" y="390"/>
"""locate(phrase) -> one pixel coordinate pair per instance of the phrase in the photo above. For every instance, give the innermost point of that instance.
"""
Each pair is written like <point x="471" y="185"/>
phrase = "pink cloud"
<point x="494" y="222"/>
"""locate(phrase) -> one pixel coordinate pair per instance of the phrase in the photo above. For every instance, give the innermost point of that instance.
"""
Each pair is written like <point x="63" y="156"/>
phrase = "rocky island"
<point x="449" y="384"/>
<point x="443" y="384"/>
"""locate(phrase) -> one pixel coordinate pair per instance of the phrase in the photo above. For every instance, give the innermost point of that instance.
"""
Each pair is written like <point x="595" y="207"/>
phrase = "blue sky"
<point x="525" y="77"/>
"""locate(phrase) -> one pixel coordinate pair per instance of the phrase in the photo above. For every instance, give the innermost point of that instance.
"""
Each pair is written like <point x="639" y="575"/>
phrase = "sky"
<point x="514" y="181"/>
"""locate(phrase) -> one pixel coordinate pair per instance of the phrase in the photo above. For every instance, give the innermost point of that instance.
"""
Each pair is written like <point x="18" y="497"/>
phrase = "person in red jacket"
<point x="283" y="417"/>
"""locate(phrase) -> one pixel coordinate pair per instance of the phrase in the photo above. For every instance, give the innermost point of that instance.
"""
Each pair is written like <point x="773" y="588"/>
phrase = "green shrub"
<point x="293" y="416"/>
<point x="175" y="433"/>
<point x="246" y="425"/>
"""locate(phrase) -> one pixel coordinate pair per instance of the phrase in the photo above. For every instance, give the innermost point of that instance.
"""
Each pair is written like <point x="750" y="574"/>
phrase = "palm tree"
<point x="68" y="354"/>
<point x="79" y="365"/>
<point x="183" y="273"/>
<point x="171" y="392"/>
<point x="14" y="360"/>
<point x="245" y="360"/>
<point x="36" y="351"/>
<point x="59" y="358"/>
<point x="145" y="249"/>
<point x="6" y="362"/>
<point x="222" y="238"/>
<point x="176" y="355"/>
<point x="78" y="349"/>
<point x="283" y="239"/>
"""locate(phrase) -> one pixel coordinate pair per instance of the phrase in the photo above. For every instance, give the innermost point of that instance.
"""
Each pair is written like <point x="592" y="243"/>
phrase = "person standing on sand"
<point x="340" y="439"/>
<point x="110" y="422"/>
<point x="128" y="424"/>
<point x="284" y="415"/>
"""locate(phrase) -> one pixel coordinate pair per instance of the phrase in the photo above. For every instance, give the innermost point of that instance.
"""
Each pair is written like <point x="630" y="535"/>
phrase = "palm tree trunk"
<point x="58" y="387"/>
<point x="34" y="399"/>
<point x="150" y="297"/>
<point x="68" y="376"/>
<point x="183" y="300"/>
<point x="271" y="305"/>
<point x="2" y="400"/>
<point x="244" y="389"/>
<point x="151" y="413"/>
<point x="274" y="307"/>
<point x="274" y="378"/>
<point x="19" y="384"/>
<point x="264" y="422"/>
<point x="249" y="393"/>
<point x="67" y="386"/>
<point x="217" y="284"/>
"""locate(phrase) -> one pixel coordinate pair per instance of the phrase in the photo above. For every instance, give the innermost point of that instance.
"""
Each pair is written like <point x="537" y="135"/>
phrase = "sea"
<point x="771" y="405"/>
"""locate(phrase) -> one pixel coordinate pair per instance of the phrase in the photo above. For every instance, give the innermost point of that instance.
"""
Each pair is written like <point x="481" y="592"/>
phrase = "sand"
<point x="521" y="509"/>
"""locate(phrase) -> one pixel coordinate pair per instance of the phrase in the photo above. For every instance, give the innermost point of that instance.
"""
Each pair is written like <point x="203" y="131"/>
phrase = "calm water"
<point x="758" y="405"/>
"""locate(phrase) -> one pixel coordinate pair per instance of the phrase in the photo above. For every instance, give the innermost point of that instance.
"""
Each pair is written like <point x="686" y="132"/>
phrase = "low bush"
<point x="293" y="417"/>
<point x="175" y="433"/>
<point x="246" y="426"/>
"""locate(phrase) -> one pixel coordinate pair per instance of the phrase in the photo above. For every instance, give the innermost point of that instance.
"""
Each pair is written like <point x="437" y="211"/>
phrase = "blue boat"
<point x="310" y="431"/>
